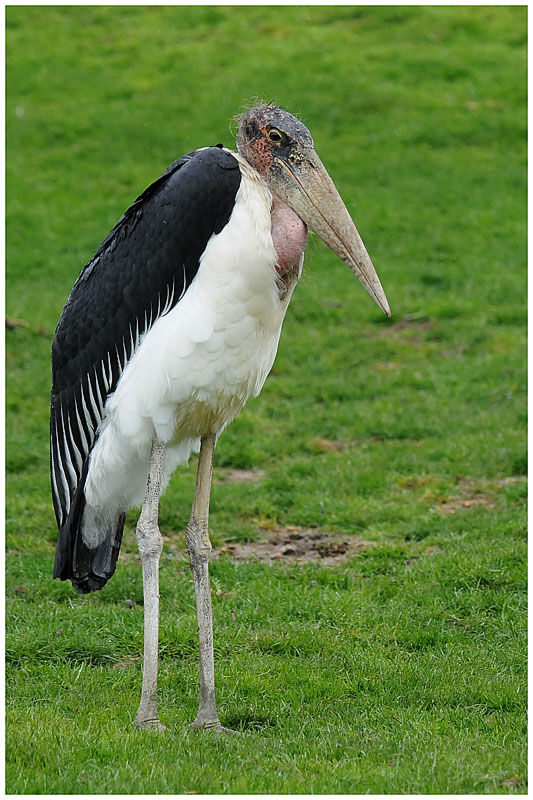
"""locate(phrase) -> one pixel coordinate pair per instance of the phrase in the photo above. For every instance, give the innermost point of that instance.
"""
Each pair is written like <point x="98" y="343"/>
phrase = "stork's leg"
<point x="199" y="548"/>
<point x="150" y="544"/>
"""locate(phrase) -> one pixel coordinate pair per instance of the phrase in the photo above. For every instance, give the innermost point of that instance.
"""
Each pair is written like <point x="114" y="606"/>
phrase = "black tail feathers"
<point x="89" y="568"/>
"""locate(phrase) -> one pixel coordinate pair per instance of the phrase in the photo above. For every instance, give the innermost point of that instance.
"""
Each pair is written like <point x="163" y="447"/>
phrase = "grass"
<point x="403" y="669"/>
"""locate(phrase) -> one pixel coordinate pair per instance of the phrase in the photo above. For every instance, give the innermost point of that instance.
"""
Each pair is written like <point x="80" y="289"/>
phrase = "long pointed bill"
<point x="307" y="188"/>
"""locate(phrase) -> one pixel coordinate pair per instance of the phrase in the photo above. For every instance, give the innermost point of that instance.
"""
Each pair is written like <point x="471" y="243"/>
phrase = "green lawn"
<point x="401" y="670"/>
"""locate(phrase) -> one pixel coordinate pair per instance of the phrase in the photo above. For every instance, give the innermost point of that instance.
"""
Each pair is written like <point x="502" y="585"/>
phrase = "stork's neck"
<point x="288" y="231"/>
<point x="289" y="235"/>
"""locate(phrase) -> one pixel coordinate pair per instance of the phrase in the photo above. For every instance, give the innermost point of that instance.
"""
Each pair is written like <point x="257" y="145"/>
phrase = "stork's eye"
<point x="275" y="136"/>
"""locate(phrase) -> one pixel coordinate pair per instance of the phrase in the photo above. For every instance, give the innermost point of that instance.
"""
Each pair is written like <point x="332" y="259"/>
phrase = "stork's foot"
<point x="213" y="727"/>
<point x="146" y="723"/>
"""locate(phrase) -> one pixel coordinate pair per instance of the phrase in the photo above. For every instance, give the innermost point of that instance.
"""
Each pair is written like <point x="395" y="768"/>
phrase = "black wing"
<point x="139" y="273"/>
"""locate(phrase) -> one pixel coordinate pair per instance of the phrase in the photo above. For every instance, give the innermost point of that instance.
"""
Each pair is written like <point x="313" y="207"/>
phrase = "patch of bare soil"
<point x="293" y="545"/>
<point x="239" y="475"/>
<point x="411" y="326"/>
<point x="12" y="324"/>
<point x="471" y="492"/>
<point x="322" y="445"/>
<point x="473" y="496"/>
<point x="453" y="505"/>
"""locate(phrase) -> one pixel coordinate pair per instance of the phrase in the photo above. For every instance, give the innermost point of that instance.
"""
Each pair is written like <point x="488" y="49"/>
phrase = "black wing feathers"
<point x="139" y="272"/>
<point x="155" y="246"/>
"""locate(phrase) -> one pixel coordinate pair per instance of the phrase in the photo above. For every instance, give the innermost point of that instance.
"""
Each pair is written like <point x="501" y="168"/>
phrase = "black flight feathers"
<point x="139" y="272"/>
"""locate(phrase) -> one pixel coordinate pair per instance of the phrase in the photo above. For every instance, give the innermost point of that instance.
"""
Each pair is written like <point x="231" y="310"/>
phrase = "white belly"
<point x="196" y="367"/>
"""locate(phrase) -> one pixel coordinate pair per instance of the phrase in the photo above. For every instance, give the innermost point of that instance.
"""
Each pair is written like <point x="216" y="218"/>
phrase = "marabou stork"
<point x="168" y="330"/>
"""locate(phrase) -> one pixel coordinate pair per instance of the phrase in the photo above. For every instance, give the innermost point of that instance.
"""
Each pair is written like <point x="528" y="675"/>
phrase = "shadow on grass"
<point x="249" y="722"/>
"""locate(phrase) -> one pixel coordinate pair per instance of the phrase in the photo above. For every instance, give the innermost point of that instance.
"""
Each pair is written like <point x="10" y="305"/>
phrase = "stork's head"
<point x="281" y="149"/>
